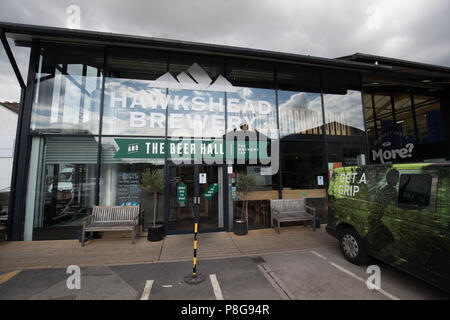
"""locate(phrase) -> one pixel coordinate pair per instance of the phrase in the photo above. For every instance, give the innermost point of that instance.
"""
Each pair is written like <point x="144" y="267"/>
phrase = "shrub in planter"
<point x="153" y="181"/>
<point x="244" y="185"/>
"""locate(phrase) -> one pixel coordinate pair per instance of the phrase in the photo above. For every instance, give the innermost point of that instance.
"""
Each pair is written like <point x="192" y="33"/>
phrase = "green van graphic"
<point x="397" y="213"/>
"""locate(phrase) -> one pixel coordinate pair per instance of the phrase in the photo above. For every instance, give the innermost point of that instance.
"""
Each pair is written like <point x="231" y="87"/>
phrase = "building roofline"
<point x="395" y="62"/>
<point x="24" y="33"/>
<point x="10" y="108"/>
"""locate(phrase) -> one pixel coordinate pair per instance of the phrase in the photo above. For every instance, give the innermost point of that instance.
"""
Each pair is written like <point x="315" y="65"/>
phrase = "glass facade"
<point x="104" y="117"/>
<point x="68" y="90"/>
<point x="409" y="122"/>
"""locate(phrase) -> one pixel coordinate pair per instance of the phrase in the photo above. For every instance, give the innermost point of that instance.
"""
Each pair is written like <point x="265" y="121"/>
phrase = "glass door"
<point x="194" y="192"/>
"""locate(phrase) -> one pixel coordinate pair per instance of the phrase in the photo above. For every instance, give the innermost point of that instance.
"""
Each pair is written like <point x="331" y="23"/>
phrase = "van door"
<point x="414" y="223"/>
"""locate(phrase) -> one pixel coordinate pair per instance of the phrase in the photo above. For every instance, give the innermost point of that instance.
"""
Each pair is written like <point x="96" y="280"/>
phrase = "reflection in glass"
<point x="265" y="188"/>
<point x="368" y="108"/>
<point x="346" y="152"/>
<point x="344" y="114"/>
<point x="134" y="107"/>
<point x="252" y="107"/>
<point x="429" y="119"/>
<point x="68" y="91"/>
<point x="383" y="106"/>
<point x="302" y="163"/>
<point x="120" y="183"/>
<point x="65" y="178"/>
<point x="196" y="113"/>
<point x="299" y="113"/>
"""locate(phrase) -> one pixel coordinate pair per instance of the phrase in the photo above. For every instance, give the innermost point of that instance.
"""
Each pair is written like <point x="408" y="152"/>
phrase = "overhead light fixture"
<point x="426" y="81"/>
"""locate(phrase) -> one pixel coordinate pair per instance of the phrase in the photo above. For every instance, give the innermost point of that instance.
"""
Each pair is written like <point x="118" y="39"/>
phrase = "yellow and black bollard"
<point x="195" y="278"/>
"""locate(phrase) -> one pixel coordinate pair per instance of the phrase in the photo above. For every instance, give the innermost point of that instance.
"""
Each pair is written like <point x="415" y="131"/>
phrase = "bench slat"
<point x="284" y="210"/>
<point x="113" y="218"/>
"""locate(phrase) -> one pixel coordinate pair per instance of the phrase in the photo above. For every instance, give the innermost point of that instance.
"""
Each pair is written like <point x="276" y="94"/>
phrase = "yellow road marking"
<point x="5" y="277"/>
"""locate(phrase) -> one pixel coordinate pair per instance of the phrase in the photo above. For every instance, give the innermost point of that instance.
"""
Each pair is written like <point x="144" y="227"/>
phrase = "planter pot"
<point x="155" y="232"/>
<point x="318" y="222"/>
<point x="87" y="236"/>
<point x="240" y="227"/>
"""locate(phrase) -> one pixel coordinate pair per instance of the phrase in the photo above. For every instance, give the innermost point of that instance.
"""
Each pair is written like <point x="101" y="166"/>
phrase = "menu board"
<point x="128" y="191"/>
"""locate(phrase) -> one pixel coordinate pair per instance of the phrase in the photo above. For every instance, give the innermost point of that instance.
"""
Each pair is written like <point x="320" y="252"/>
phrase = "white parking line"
<point x="216" y="287"/>
<point x="383" y="292"/>
<point x="319" y="255"/>
<point x="147" y="289"/>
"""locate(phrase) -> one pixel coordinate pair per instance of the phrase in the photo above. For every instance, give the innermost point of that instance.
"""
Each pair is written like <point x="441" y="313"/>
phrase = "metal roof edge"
<point x="122" y="39"/>
<point x="395" y="62"/>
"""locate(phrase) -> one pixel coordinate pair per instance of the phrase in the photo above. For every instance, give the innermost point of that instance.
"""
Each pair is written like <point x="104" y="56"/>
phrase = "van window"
<point x="414" y="190"/>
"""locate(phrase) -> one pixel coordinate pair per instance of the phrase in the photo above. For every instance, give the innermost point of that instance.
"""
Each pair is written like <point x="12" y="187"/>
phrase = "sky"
<point x="416" y="30"/>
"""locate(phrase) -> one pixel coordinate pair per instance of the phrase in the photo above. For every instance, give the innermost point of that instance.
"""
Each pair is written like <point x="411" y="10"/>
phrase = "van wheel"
<point x="352" y="247"/>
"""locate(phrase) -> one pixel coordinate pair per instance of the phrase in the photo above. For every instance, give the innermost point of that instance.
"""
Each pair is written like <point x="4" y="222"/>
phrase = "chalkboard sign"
<point x="128" y="191"/>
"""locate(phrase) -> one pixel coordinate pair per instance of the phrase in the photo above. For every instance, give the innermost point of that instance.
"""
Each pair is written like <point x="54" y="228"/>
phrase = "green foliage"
<point x="153" y="181"/>
<point x="245" y="184"/>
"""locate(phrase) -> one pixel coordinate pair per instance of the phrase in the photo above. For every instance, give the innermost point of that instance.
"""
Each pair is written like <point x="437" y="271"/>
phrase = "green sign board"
<point x="181" y="192"/>
<point x="191" y="149"/>
<point x="211" y="191"/>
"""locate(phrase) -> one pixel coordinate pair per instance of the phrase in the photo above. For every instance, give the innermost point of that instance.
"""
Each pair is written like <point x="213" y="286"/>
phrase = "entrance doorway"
<point x="194" y="191"/>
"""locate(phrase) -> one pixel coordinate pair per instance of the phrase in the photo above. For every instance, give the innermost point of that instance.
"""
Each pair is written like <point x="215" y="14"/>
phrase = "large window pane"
<point x="251" y="105"/>
<point x="303" y="173"/>
<point x="302" y="165"/>
<point x="135" y="93"/>
<point x="197" y="101"/>
<point x="254" y="108"/>
<point x="346" y="152"/>
<point x="368" y="107"/>
<point x="429" y="119"/>
<point x="61" y="192"/>
<point x="298" y="78"/>
<point x="344" y="114"/>
<point x="265" y="187"/>
<point x="300" y="114"/>
<point x="139" y="64"/>
<point x="68" y="90"/>
<point x="250" y="73"/>
<point x="383" y="105"/>
<point x="196" y="113"/>
<point x="121" y="182"/>
<point x="134" y="107"/>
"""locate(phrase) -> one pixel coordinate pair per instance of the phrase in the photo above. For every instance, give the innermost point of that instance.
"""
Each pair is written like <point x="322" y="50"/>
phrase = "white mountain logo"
<point x="196" y="78"/>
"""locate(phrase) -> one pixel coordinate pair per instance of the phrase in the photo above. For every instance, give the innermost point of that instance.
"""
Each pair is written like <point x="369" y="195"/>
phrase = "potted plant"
<point x="244" y="185"/>
<point x="153" y="181"/>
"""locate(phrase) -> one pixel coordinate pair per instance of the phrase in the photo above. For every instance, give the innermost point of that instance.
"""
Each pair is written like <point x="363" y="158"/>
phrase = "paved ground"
<point x="116" y="248"/>
<point x="315" y="273"/>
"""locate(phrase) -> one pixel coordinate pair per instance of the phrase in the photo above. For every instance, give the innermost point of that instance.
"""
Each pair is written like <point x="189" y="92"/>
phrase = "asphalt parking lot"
<point x="316" y="274"/>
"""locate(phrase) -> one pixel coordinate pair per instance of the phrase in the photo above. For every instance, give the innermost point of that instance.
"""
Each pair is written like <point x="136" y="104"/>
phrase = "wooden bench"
<point x="286" y="210"/>
<point x="111" y="218"/>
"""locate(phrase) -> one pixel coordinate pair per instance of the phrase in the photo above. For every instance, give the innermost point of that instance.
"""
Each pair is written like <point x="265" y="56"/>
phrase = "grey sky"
<point x="415" y="30"/>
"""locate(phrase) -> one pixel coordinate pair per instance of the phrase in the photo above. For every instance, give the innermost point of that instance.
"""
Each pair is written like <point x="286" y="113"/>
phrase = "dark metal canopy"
<point x="403" y="73"/>
<point x="23" y="35"/>
<point x="378" y="73"/>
